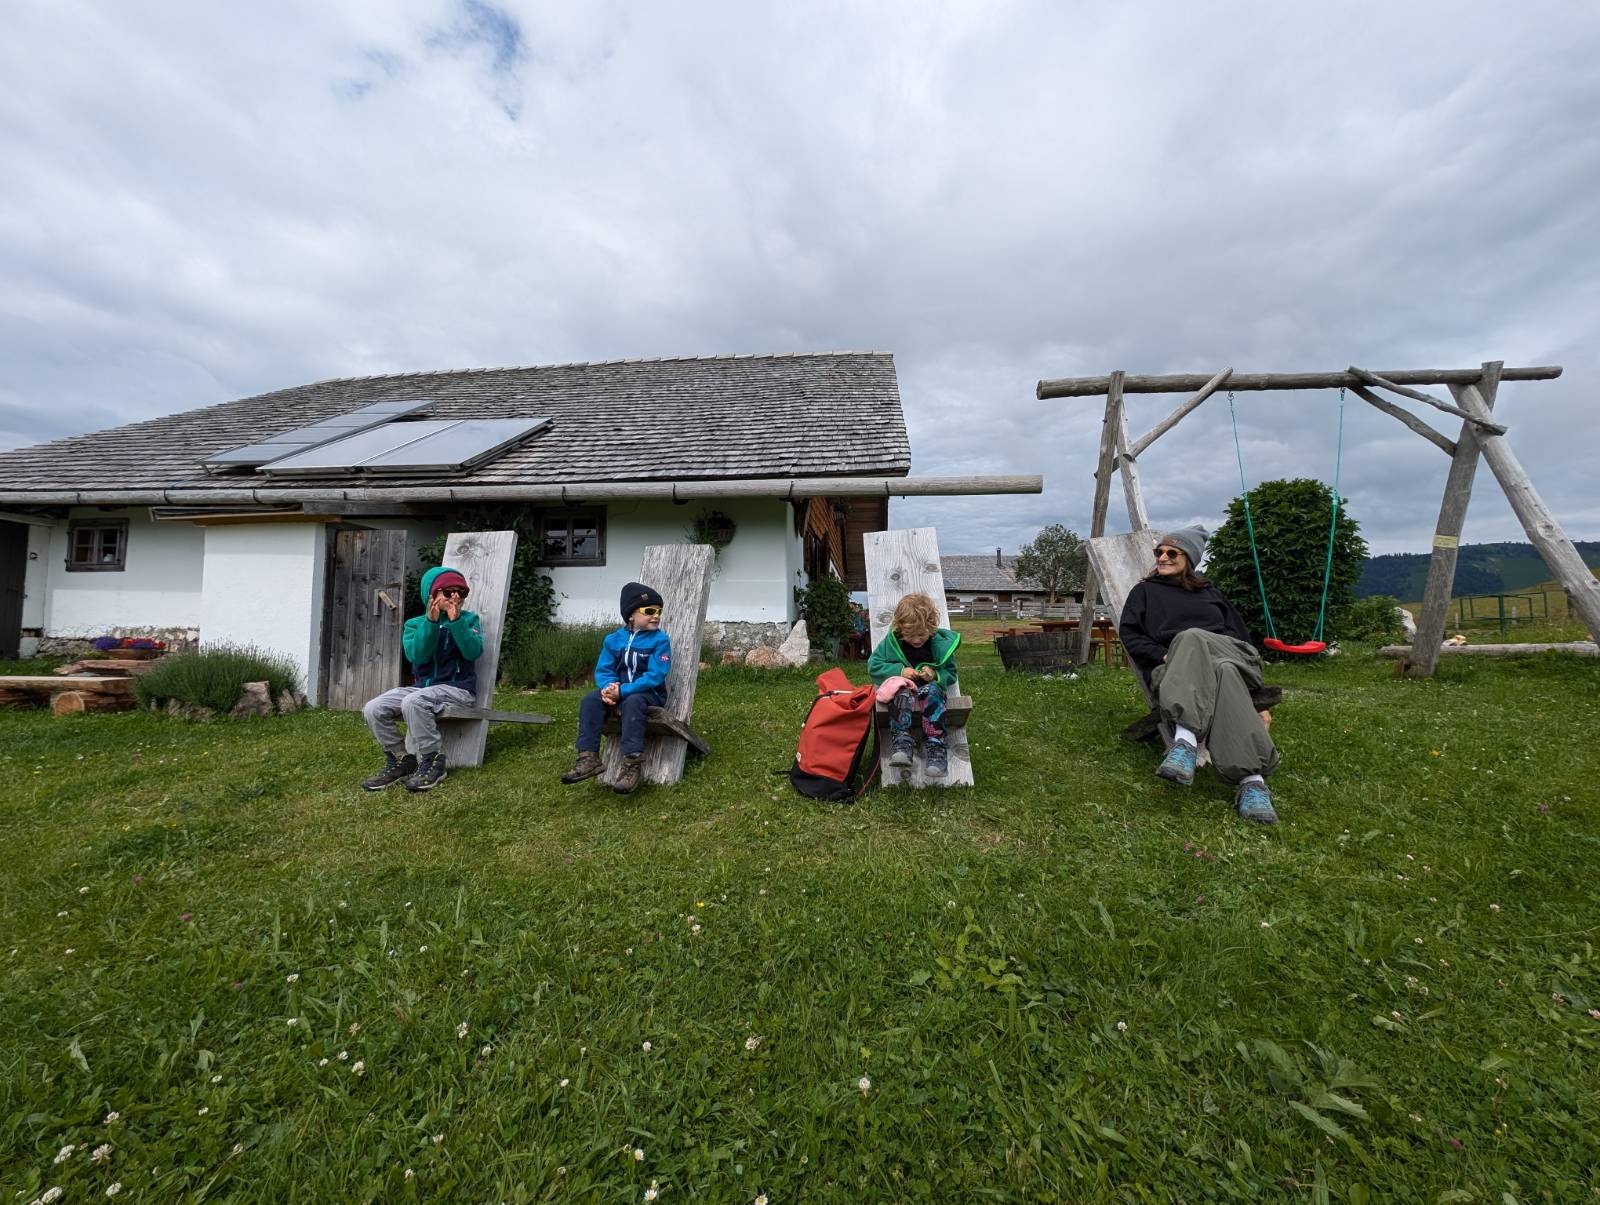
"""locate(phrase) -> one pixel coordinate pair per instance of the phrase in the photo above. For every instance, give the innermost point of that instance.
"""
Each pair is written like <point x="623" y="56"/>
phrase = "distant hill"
<point x="1480" y="569"/>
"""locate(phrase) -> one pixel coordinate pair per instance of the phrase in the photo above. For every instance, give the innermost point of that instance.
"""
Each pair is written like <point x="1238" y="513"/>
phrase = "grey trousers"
<point x="1205" y="684"/>
<point x="419" y="707"/>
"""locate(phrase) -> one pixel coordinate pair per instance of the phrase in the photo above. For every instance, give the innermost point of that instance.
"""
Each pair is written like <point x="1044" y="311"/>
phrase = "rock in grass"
<point x="764" y="658"/>
<point x="288" y="701"/>
<point x="796" y="649"/>
<point x="254" y="699"/>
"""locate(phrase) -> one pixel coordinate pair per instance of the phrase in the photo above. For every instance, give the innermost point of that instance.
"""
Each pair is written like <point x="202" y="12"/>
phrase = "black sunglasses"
<point x="1168" y="554"/>
<point x="453" y="592"/>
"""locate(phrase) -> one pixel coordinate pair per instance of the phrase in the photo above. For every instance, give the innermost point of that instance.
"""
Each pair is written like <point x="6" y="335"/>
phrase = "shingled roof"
<point x="825" y="414"/>
<point x="965" y="573"/>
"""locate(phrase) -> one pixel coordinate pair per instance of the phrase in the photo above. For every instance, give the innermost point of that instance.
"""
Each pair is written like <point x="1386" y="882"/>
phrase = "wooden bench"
<point x="485" y="558"/>
<point x="681" y="574"/>
<point x="1120" y="563"/>
<point x="901" y="563"/>
<point x="68" y="695"/>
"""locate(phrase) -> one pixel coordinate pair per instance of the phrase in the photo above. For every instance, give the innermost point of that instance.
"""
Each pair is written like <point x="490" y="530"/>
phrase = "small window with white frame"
<point x="573" y="537"/>
<point x="97" y="546"/>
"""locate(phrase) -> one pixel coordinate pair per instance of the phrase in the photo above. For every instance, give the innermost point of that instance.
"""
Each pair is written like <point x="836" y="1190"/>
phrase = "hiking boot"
<point x="904" y="747"/>
<point x="936" y="759"/>
<point x="430" y="773"/>
<point x="1254" y="802"/>
<point x="587" y="766"/>
<point x="394" y="769"/>
<point x="627" y="779"/>
<point x="1178" y="765"/>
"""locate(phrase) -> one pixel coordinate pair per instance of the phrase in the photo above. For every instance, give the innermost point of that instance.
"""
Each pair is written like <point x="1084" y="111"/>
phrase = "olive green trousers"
<point x="1205" y="684"/>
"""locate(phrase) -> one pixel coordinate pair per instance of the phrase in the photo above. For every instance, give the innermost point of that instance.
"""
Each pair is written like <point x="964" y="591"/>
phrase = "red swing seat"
<point x="1304" y="649"/>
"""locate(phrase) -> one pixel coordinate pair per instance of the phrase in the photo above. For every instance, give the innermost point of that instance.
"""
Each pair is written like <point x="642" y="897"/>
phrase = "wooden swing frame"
<point x="1474" y="392"/>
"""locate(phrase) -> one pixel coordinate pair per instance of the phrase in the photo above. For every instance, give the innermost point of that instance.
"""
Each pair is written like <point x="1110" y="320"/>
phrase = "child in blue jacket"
<point x="631" y="676"/>
<point x="442" y="646"/>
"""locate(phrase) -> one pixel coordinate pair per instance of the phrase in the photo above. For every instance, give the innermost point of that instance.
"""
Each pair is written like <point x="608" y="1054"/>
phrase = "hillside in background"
<point x="1480" y="569"/>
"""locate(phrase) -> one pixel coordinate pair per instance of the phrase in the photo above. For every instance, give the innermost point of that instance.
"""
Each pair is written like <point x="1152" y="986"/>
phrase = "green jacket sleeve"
<point x="419" y="639"/>
<point x="947" y="661"/>
<point x="886" y="661"/>
<point x="467" y="631"/>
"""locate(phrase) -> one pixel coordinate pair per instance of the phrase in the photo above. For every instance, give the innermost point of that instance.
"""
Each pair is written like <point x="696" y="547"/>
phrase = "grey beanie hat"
<point x="1191" y="539"/>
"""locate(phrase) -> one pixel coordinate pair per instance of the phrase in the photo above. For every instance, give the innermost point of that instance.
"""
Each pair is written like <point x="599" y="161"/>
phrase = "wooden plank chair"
<point x="901" y="563"/>
<point x="485" y="559"/>
<point x="1119" y="563"/>
<point x="681" y="574"/>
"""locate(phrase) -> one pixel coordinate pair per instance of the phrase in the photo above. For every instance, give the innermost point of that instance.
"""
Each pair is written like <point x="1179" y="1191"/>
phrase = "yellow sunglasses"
<point x="648" y="610"/>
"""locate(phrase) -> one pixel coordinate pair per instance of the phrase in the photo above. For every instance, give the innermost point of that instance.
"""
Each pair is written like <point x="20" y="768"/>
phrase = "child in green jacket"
<point x="442" y="646"/>
<point x="913" y="666"/>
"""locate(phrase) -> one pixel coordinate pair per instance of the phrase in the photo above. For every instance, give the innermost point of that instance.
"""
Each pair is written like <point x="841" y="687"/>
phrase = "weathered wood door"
<point x="13" y="574"/>
<point x="364" y="615"/>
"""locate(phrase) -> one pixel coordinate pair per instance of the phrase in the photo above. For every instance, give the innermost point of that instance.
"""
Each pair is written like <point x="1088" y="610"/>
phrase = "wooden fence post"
<point x="1102" y="501"/>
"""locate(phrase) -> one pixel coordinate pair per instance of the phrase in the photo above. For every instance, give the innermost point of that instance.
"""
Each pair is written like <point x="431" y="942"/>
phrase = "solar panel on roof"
<point x="432" y="446"/>
<point x="312" y="435"/>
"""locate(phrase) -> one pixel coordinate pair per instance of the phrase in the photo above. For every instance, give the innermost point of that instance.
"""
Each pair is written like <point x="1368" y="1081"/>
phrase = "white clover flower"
<point x="114" y="1189"/>
<point x="238" y="1148"/>
<point x="651" y="1193"/>
<point x="83" y="891"/>
<point x="752" y="1042"/>
<point x="1595" y="1013"/>
<point x="322" y="1062"/>
<point x="51" y="1194"/>
<point x="354" y="1026"/>
<point x="645" y="1047"/>
<point x="409" y="1173"/>
<point x="112" y="1118"/>
<point x="101" y="1152"/>
<point x="1494" y="907"/>
<point x="293" y="1021"/>
<point x="1395" y="1014"/>
<point x="295" y="978"/>
<point x="761" y="1199"/>
<point x="694" y="928"/>
<point x="461" y="1030"/>
<point x="1266" y="924"/>
<point x="358" y="1068"/>
<point x="71" y="950"/>
<point x="61" y="913"/>
<point x="422" y="949"/>
<point x="437" y="1139"/>
<point x="638" y="1154"/>
<point x="64" y="1153"/>
<point x="1122" y="1027"/>
<point x="204" y="1109"/>
<point x="1417" y="940"/>
<point x="1417" y="1117"/>
<point x="343" y="1055"/>
<point x="486" y="1052"/>
<point x="863" y="1085"/>
<point x="216" y="1079"/>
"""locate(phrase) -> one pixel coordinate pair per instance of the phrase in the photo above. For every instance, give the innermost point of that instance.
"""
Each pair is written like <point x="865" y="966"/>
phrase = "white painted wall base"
<point x="263" y="585"/>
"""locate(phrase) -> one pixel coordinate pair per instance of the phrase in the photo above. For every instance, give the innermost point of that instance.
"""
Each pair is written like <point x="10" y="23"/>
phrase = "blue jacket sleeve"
<point x="656" y="671"/>
<point x="605" y="666"/>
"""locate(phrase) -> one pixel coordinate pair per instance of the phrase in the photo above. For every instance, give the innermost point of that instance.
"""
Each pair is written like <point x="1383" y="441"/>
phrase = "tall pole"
<point x="1109" y="432"/>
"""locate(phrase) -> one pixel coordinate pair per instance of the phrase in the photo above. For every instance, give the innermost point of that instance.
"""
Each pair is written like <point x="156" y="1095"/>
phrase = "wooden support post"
<point x="1129" y="468"/>
<point x="1424" y="658"/>
<point x="1102" y="502"/>
<point x="1177" y="416"/>
<point x="1544" y="531"/>
<point x="1443" y="442"/>
<point x="1372" y="378"/>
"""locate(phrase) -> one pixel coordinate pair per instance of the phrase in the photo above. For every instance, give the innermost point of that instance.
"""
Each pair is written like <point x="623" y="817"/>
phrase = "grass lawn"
<point x="249" y="981"/>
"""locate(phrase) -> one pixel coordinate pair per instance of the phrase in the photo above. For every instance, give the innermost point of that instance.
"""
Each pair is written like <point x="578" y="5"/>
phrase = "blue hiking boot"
<point x="904" y="748"/>
<point x="936" y="759"/>
<point x="1178" y="765"/>
<point x="1254" y="802"/>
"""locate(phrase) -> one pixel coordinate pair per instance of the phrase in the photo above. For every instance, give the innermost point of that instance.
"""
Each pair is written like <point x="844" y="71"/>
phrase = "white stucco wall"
<point x="756" y="573"/>
<point x="264" y="586"/>
<point x="159" y="588"/>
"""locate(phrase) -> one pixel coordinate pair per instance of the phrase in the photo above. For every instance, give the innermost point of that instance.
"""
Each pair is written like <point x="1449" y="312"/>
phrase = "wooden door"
<point x="13" y="575"/>
<point x="364" y="615"/>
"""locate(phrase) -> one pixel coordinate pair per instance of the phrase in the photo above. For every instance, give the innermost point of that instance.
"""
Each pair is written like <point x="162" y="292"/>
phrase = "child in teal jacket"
<point x="443" y="647"/>
<point x="916" y="659"/>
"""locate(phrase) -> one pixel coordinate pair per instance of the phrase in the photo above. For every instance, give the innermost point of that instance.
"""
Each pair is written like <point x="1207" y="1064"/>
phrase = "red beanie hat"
<point x="446" y="580"/>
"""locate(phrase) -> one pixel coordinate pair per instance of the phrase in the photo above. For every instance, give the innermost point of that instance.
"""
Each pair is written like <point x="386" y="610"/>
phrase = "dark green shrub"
<point x="1376" y="619"/>
<point x="215" y="676"/>
<point x="553" y="654"/>
<point x="825" y="606"/>
<point x="1291" y="526"/>
<point x="531" y="603"/>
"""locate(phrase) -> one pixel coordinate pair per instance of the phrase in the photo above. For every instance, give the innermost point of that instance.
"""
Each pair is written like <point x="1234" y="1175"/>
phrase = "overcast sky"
<point x="201" y="201"/>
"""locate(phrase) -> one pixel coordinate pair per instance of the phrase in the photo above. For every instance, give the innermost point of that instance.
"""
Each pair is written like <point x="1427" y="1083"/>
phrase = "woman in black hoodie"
<point x="1193" y="648"/>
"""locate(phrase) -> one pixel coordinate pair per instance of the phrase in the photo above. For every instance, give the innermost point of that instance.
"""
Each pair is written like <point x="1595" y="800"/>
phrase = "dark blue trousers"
<point x="592" y="714"/>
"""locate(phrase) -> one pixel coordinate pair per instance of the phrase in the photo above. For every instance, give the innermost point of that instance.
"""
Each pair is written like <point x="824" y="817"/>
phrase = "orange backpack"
<point x="834" y="740"/>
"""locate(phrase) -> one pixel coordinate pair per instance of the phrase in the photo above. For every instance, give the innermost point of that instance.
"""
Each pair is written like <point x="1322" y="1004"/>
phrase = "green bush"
<point x="1376" y="619"/>
<point x="215" y="676"/>
<point x="825" y="606"/>
<point x="531" y="602"/>
<point x="563" y="651"/>
<point x="1291" y="529"/>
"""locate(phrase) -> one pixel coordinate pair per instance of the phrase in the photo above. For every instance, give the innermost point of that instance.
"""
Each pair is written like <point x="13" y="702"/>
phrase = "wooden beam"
<point x="1447" y="538"/>
<point x="1443" y="442"/>
<point x="1188" y="382"/>
<point x="1128" y="466"/>
<point x="1578" y="648"/>
<point x="1372" y="378"/>
<point x="1102" y="501"/>
<point x="1177" y="416"/>
<point x="1544" y="531"/>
